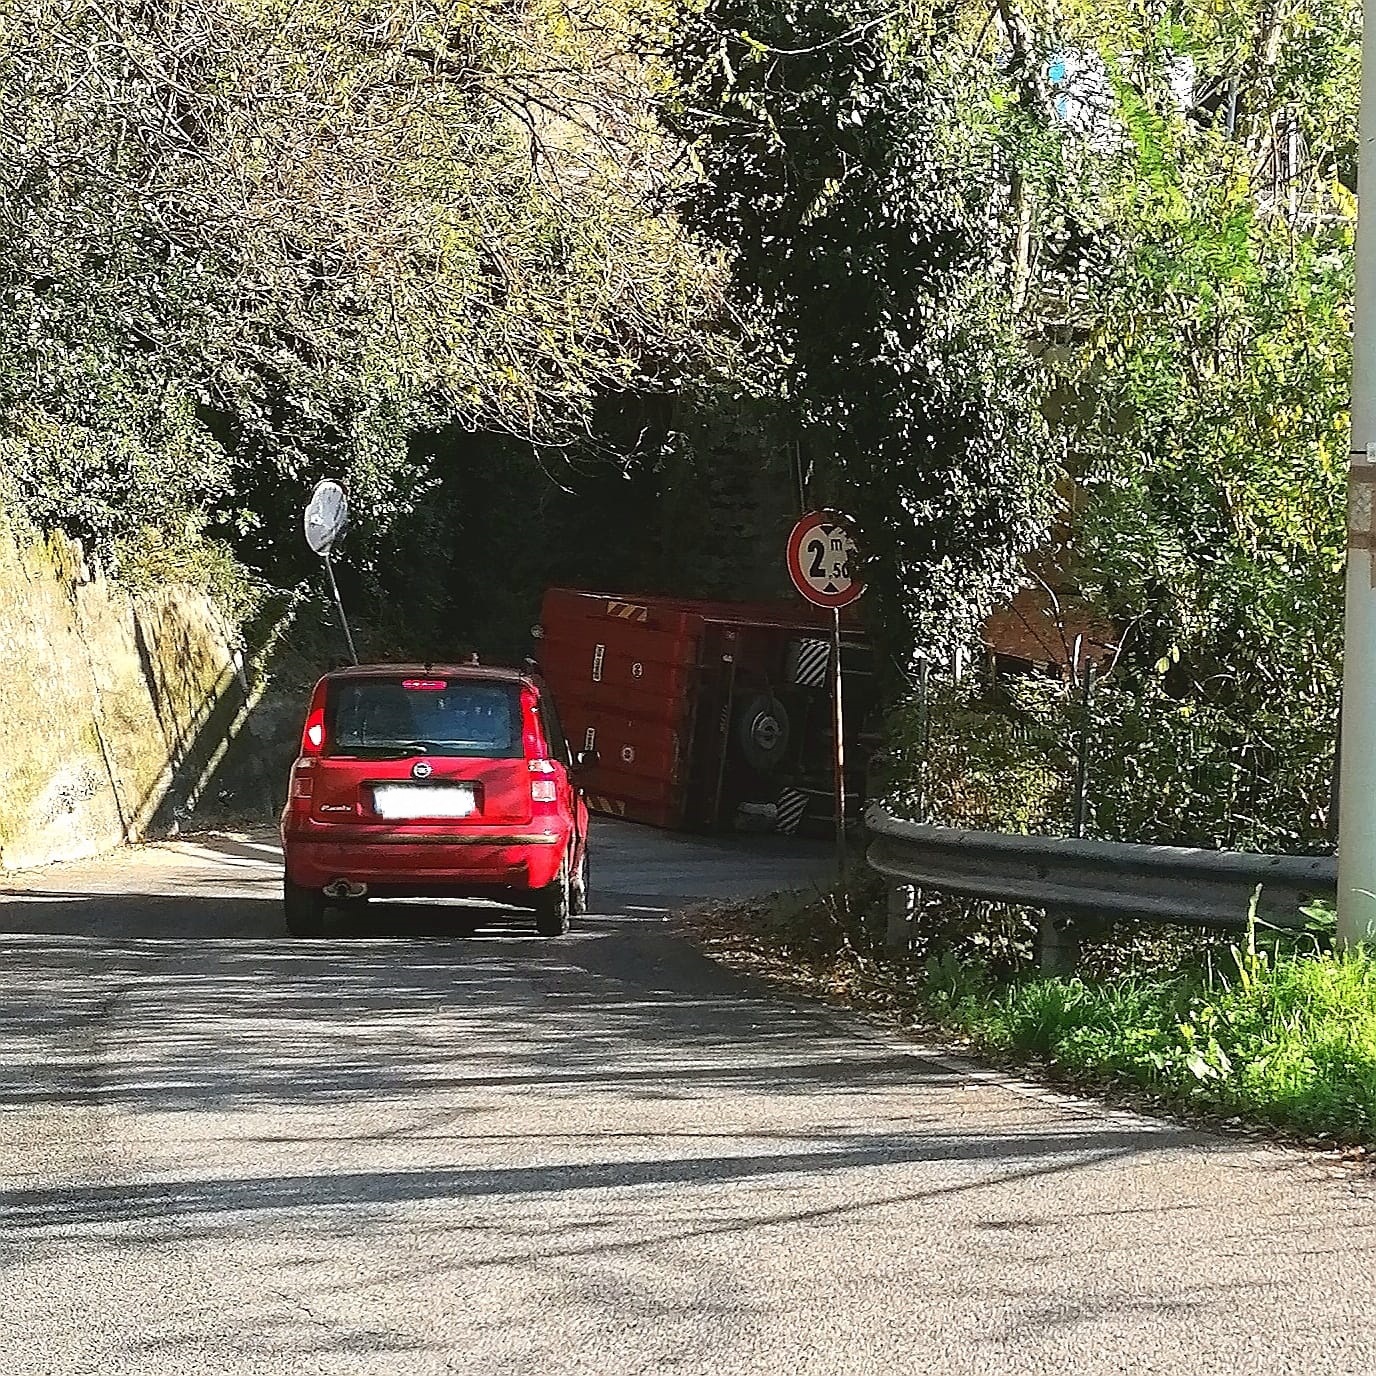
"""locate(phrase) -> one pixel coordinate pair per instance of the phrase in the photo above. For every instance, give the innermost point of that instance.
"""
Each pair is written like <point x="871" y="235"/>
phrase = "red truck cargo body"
<point x="691" y="706"/>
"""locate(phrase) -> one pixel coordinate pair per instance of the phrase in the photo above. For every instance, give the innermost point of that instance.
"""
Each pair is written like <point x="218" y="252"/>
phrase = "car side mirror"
<point x="585" y="760"/>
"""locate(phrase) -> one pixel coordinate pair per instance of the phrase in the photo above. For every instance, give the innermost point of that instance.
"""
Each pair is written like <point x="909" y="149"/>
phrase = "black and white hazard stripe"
<point x="810" y="666"/>
<point x="792" y="809"/>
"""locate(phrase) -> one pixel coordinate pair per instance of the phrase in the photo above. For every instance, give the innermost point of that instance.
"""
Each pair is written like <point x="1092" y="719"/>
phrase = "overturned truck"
<point x="706" y="715"/>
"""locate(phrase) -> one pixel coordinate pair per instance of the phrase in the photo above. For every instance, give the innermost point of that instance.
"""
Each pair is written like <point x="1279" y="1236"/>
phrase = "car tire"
<point x="303" y="909"/>
<point x="552" y="904"/>
<point x="578" y="895"/>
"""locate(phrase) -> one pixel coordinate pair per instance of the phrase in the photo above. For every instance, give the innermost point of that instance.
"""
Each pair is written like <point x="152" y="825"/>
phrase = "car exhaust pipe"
<point x="346" y="888"/>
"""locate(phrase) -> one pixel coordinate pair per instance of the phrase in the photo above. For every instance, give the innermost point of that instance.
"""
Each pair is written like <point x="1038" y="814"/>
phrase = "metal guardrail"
<point x="1109" y="879"/>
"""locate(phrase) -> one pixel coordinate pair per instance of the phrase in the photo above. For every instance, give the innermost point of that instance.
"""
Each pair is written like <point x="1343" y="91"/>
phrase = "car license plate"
<point x="400" y="802"/>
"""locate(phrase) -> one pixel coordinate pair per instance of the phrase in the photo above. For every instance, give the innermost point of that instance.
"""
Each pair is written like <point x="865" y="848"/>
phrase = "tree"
<point x="247" y="241"/>
<point x="1211" y="429"/>
<point x="981" y="244"/>
<point x="1187" y="233"/>
<point x="870" y="249"/>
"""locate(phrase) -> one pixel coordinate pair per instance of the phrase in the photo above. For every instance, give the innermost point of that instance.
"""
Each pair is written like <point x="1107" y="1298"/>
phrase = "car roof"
<point x="475" y="673"/>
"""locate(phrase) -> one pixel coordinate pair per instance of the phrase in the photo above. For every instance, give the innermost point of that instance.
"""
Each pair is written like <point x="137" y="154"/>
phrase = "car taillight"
<point x="313" y="733"/>
<point x="543" y="789"/>
<point x="303" y="781"/>
<point x="532" y="736"/>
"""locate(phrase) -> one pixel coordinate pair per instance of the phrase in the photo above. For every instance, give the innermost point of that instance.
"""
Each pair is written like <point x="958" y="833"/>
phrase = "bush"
<point x="151" y="557"/>
<point x="1284" y="1039"/>
<point x="1004" y="756"/>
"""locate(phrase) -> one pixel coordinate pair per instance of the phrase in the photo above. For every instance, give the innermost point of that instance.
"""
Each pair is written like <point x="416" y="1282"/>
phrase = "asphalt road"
<point x="397" y="1151"/>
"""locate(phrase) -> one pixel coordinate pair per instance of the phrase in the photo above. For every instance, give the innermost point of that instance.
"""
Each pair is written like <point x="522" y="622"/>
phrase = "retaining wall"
<point x="115" y="710"/>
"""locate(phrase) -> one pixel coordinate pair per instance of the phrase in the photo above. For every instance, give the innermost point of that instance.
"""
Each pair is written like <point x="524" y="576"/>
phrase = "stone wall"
<point x="115" y="710"/>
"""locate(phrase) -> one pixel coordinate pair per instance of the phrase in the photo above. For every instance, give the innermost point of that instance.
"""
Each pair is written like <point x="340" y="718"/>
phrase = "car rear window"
<point x="423" y="716"/>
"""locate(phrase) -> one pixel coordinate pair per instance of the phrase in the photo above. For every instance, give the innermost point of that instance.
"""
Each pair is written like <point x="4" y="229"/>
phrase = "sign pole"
<point x="838" y="731"/>
<point x="823" y="560"/>
<point x="327" y="515"/>
<point x="339" y="606"/>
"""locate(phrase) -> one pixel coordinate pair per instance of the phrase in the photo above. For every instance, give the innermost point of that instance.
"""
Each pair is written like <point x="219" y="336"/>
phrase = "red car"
<point x="434" y="781"/>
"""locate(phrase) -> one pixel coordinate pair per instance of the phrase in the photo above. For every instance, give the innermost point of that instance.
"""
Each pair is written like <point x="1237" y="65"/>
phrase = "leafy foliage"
<point x="1214" y="452"/>
<point x="246" y="242"/>
<point x="868" y="251"/>
<point x="1289" y="1040"/>
<point x="1158" y="768"/>
<point x="1188" y="277"/>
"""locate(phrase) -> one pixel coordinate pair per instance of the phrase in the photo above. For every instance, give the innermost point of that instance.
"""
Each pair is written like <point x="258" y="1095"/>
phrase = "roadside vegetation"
<point x="1285" y="1038"/>
<point x="249" y="244"/>
<point x="1077" y="276"/>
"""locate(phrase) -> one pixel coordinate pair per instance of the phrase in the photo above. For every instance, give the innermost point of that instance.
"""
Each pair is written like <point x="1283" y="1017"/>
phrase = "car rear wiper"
<point x="399" y="751"/>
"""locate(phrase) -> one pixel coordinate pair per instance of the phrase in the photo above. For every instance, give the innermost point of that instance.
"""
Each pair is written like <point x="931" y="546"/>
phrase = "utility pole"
<point x="1357" y="784"/>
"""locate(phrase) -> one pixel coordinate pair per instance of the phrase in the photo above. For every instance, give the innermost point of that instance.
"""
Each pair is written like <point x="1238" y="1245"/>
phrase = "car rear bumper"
<point x="519" y="858"/>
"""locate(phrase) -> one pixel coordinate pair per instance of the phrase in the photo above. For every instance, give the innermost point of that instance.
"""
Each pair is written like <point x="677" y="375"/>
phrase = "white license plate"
<point x="398" y="802"/>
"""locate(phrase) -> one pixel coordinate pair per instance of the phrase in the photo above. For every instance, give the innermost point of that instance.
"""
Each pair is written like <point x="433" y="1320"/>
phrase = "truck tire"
<point x="763" y="732"/>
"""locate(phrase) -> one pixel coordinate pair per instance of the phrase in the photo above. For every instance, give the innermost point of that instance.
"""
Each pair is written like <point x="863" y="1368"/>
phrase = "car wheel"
<point x="552" y="904"/>
<point x="304" y="910"/>
<point x="578" y="897"/>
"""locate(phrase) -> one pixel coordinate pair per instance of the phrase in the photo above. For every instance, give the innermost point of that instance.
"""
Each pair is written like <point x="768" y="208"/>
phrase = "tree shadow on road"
<point x="203" y="1198"/>
<point x="704" y="1097"/>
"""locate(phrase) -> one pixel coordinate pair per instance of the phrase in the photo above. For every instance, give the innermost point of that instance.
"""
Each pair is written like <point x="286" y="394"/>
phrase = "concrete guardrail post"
<point x="1058" y="944"/>
<point x="901" y="909"/>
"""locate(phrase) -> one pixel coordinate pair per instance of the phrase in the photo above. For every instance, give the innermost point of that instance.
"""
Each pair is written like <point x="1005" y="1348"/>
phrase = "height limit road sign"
<point x="823" y="559"/>
<point x="824" y="564"/>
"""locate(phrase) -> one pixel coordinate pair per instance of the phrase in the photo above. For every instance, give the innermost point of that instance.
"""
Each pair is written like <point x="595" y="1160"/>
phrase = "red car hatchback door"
<point x="421" y="752"/>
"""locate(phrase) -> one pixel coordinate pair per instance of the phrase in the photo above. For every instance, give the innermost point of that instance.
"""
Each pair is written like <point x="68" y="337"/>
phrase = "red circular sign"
<point x="823" y="559"/>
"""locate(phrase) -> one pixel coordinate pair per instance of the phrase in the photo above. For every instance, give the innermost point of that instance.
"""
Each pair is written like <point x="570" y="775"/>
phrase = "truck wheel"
<point x="578" y="896"/>
<point x="552" y="904"/>
<point x="763" y="731"/>
<point x="303" y="909"/>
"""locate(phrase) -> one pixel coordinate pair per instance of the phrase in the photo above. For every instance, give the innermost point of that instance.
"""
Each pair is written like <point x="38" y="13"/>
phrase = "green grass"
<point x="1287" y="1039"/>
